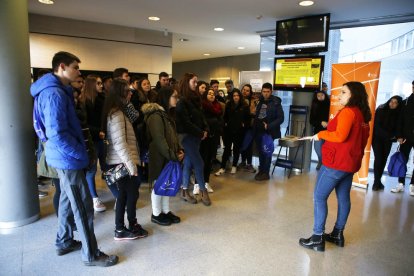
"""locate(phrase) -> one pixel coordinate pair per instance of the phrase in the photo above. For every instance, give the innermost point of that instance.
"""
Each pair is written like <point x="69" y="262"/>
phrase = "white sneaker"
<point x="233" y="170"/>
<point x="209" y="189"/>
<point x="220" y="172"/>
<point x="399" y="188"/>
<point x="196" y="190"/>
<point x="98" y="206"/>
<point x="411" y="189"/>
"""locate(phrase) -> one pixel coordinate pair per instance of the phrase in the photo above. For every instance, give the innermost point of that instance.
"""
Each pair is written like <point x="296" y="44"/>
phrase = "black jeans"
<point x="381" y="149"/>
<point x="208" y="147"/>
<point x="235" y="139"/>
<point x="128" y="196"/>
<point x="406" y="149"/>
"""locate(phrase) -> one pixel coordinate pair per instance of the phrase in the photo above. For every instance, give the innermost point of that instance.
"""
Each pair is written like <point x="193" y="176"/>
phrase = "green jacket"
<point x="162" y="138"/>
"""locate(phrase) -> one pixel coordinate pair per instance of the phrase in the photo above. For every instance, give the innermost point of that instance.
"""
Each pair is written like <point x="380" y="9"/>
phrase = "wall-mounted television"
<point x="302" y="35"/>
<point x="299" y="73"/>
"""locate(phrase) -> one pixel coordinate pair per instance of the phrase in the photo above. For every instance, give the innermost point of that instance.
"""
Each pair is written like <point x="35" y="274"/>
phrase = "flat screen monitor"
<point x="299" y="73"/>
<point x="302" y="35"/>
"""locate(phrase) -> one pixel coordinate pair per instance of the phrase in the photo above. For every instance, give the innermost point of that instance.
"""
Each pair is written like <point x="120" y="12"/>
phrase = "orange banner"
<point x="368" y="74"/>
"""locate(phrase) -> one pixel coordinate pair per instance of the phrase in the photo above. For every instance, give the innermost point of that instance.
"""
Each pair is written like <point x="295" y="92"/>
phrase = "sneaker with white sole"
<point x="233" y="170"/>
<point x="208" y="187"/>
<point x="398" y="189"/>
<point x="196" y="189"/>
<point x="98" y="206"/>
<point x="220" y="172"/>
<point x="411" y="189"/>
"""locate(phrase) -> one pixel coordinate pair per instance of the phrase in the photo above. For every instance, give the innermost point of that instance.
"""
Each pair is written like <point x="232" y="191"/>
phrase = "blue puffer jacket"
<point x="65" y="147"/>
<point x="274" y="116"/>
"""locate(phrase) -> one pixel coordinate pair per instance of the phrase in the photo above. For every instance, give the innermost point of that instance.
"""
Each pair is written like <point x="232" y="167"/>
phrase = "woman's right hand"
<point x="180" y="155"/>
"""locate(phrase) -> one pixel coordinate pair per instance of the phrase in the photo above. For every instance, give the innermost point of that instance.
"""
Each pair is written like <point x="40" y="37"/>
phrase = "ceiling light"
<point x="183" y="39"/>
<point x="47" y="2"/>
<point x="206" y="54"/>
<point x="218" y="29"/>
<point x="154" y="18"/>
<point x="265" y="51"/>
<point x="306" y="3"/>
<point x="241" y="48"/>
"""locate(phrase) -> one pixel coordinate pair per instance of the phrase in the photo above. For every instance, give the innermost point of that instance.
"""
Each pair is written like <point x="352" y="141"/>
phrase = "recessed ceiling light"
<point x="241" y="48"/>
<point x="306" y="3"/>
<point x="206" y="54"/>
<point x="270" y="58"/>
<point x="183" y="39"/>
<point x="218" y="29"/>
<point x="154" y="18"/>
<point x="47" y="2"/>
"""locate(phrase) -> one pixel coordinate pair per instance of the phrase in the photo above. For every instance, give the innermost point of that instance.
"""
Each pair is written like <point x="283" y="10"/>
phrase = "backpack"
<point x="38" y="124"/>
<point x="397" y="166"/>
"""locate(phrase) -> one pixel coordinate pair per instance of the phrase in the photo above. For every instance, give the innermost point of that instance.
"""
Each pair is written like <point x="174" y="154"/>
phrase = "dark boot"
<point x="316" y="242"/>
<point x="336" y="237"/>
<point x="205" y="197"/>
<point x="185" y="195"/>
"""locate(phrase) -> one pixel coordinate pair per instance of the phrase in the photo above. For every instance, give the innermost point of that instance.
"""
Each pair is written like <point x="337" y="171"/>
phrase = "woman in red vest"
<point x="345" y="140"/>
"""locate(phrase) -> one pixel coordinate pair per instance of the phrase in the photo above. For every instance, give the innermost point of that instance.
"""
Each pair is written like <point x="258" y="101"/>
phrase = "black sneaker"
<point x="75" y="245"/>
<point x="173" y="218"/>
<point x="137" y="229"/>
<point x="101" y="259"/>
<point x="161" y="219"/>
<point x="125" y="234"/>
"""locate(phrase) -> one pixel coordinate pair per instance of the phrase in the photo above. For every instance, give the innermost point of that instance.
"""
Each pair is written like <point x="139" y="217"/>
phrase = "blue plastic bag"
<point x="397" y="167"/>
<point x="267" y="147"/>
<point x="247" y="140"/>
<point x="169" y="181"/>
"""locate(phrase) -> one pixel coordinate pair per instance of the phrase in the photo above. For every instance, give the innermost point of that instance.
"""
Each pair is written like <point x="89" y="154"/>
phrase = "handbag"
<point x="397" y="167"/>
<point x="169" y="181"/>
<point x="115" y="174"/>
<point x="267" y="147"/>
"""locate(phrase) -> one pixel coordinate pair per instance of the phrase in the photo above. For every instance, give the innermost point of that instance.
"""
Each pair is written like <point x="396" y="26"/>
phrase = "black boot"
<point x="316" y="242"/>
<point x="336" y="237"/>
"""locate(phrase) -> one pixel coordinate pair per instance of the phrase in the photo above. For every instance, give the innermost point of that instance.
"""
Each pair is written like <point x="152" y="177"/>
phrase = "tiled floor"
<point x="251" y="229"/>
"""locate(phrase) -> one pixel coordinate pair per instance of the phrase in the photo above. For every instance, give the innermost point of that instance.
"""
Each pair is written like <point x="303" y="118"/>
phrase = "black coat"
<point x="319" y="113"/>
<point x="94" y="115"/>
<point x="236" y="118"/>
<point x="190" y="118"/>
<point x="405" y="127"/>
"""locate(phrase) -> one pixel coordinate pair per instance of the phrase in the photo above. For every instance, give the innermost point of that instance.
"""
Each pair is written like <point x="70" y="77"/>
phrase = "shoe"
<point x="173" y="218"/>
<point x="262" y="176"/>
<point x="220" y="172"/>
<point x="196" y="189"/>
<point x="161" y="219"/>
<point x="249" y="168"/>
<point x="315" y="242"/>
<point x="242" y="166"/>
<point x="233" y="170"/>
<point x="205" y="198"/>
<point x="101" y="259"/>
<point x="208" y="187"/>
<point x="377" y="186"/>
<point x="336" y="237"/>
<point x="399" y="188"/>
<point x="125" y="234"/>
<point x="98" y="206"/>
<point x="43" y="194"/>
<point x="185" y="195"/>
<point x="76" y="245"/>
<point x="136" y="228"/>
<point x="411" y="189"/>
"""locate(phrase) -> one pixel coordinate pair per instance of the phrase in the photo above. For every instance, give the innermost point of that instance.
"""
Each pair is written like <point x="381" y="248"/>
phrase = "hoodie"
<point x="65" y="146"/>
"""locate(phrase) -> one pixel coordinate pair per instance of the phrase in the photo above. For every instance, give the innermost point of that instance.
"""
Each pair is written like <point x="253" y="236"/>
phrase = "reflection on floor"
<point x="251" y="228"/>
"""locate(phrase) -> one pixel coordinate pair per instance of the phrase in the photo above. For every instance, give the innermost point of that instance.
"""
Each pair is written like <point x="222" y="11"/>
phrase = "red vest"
<point x="347" y="156"/>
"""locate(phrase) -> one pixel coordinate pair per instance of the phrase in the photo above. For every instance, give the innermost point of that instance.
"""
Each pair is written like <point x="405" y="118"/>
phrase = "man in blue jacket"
<point x="269" y="117"/>
<point x="66" y="151"/>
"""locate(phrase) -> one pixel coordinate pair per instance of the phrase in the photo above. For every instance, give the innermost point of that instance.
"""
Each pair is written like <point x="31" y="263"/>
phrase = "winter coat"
<point x="236" y="118"/>
<point x="385" y="126"/>
<point x="162" y="138"/>
<point x="319" y="113"/>
<point x="94" y="115"/>
<point x="405" y="127"/>
<point x="213" y="114"/>
<point x="190" y="119"/>
<point x="122" y="144"/>
<point x="274" y="116"/>
<point x="65" y="146"/>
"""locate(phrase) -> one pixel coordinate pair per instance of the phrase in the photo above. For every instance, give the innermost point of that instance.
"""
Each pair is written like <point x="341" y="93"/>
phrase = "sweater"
<point x="345" y="140"/>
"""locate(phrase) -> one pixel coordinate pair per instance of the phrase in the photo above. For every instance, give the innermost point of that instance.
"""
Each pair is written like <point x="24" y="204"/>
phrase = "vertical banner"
<point x="368" y="74"/>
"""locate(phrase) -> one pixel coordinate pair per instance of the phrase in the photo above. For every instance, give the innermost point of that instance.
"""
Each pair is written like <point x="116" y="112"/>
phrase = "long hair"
<point x="316" y="103"/>
<point x="233" y="104"/>
<point x="185" y="91"/>
<point x="163" y="99"/>
<point x="115" y="100"/>
<point x="251" y="91"/>
<point x="359" y="99"/>
<point x="89" y="91"/>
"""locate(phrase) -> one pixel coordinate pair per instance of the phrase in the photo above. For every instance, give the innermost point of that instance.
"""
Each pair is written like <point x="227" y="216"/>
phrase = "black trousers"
<point x="208" y="149"/>
<point x="406" y="149"/>
<point x="381" y="149"/>
<point x="235" y="139"/>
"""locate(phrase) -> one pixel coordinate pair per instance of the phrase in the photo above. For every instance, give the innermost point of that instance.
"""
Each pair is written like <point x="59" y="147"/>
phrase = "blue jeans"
<point x="329" y="179"/>
<point x="264" y="161"/>
<point x="317" y="145"/>
<point x="193" y="160"/>
<point x="75" y="200"/>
